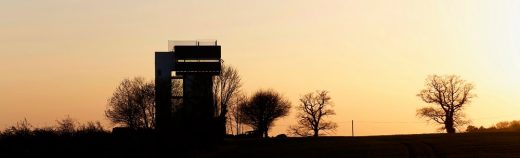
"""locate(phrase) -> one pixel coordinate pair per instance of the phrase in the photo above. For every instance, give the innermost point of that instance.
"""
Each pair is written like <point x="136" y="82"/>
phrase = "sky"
<point x="63" y="58"/>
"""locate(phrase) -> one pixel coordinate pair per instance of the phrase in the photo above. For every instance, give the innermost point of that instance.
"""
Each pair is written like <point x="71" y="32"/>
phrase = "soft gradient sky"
<point x="65" y="57"/>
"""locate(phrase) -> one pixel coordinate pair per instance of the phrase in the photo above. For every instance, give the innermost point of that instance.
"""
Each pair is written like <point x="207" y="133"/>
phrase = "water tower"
<point x="195" y="63"/>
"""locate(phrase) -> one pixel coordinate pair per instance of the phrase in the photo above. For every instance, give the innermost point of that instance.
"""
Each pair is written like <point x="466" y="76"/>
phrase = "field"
<point x="427" y="145"/>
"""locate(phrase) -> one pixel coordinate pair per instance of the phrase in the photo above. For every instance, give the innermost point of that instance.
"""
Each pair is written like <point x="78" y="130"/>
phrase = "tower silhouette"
<point x="195" y="63"/>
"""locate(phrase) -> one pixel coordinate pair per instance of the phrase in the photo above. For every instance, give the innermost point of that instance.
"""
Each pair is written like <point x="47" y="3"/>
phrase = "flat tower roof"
<point x="173" y="43"/>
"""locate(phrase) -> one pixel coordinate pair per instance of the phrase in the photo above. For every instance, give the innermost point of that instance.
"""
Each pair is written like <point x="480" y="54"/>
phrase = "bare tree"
<point x="449" y="94"/>
<point x="298" y="130"/>
<point x="313" y="109"/>
<point x="264" y="107"/>
<point x="225" y="87"/>
<point x="234" y="112"/>
<point x="132" y="104"/>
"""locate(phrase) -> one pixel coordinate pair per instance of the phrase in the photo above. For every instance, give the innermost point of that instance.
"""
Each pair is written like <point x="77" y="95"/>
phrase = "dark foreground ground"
<point x="428" y="145"/>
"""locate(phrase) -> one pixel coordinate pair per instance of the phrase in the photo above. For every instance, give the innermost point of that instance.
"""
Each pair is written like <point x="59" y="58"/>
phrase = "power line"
<point x="495" y="117"/>
<point x="380" y="122"/>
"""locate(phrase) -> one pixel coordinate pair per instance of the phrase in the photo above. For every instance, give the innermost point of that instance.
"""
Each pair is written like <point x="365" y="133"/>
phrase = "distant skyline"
<point x="66" y="57"/>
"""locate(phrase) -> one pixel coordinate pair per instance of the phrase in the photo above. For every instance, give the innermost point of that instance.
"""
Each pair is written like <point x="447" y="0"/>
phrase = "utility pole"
<point x="352" y="128"/>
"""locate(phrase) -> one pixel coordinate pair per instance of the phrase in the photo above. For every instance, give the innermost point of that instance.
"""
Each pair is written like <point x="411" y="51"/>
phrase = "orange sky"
<point x="65" y="57"/>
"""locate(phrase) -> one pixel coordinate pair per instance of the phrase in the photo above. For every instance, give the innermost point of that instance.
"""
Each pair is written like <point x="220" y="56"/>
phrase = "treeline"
<point x="63" y="127"/>
<point x="69" y="138"/>
<point x="505" y="126"/>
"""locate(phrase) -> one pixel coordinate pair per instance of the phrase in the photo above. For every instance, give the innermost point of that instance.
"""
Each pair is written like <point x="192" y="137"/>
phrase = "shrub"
<point x="91" y="128"/>
<point x="44" y="132"/>
<point x="66" y="126"/>
<point x="22" y="128"/>
<point x="281" y="136"/>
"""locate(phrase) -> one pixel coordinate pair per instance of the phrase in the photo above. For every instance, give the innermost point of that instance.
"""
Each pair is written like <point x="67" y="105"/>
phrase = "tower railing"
<point x="173" y="43"/>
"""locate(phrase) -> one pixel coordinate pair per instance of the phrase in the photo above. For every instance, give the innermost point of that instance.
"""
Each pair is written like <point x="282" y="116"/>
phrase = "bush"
<point x="66" y="126"/>
<point x="44" y="132"/>
<point x="22" y="128"/>
<point x="281" y="136"/>
<point x="91" y="127"/>
<point x="506" y="126"/>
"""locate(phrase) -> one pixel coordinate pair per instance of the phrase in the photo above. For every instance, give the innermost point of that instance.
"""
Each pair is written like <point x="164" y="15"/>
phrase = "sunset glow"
<point x="66" y="57"/>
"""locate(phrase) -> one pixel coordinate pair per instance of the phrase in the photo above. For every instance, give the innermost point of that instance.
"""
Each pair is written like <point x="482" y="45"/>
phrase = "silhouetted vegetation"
<point x="22" y="128"/>
<point x="505" y="126"/>
<point x="312" y="111"/>
<point x="281" y="136"/>
<point x="235" y="115"/>
<point x="225" y="88"/>
<point x="68" y="138"/>
<point x="64" y="127"/>
<point x="488" y="144"/>
<point x="262" y="109"/>
<point x="132" y="104"/>
<point x="450" y="94"/>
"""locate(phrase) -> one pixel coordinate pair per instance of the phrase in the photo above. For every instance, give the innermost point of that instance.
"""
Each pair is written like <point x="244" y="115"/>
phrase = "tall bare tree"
<point x="449" y="94"/>
<point x="264" y="107"/>
<point x="225" y="87"/>
<point x="312" y="111"/>
<point x="234" y="112"/>
<point x="132" y="104"/>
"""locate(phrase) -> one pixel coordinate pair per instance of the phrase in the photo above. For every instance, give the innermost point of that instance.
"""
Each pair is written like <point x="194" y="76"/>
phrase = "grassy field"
<point x="427" y="145"/>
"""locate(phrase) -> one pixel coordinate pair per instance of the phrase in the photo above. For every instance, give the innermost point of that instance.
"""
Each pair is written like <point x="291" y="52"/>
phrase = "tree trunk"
<point x="266" y="134"/>
<point x="238" y="126"/>
<point x="223" y="120"/>
<point x="449" y="124"/>
<point x="316" y="132"/>
<point x="222" y="125"/>
<point x="145" y="118"/>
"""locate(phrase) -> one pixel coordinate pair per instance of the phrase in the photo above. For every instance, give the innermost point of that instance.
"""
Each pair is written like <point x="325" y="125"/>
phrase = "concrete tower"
<point x="195" y="63"/>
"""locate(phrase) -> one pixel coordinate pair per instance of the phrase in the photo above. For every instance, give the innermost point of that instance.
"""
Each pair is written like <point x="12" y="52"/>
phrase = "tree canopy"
<point x="449" y="95"/>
